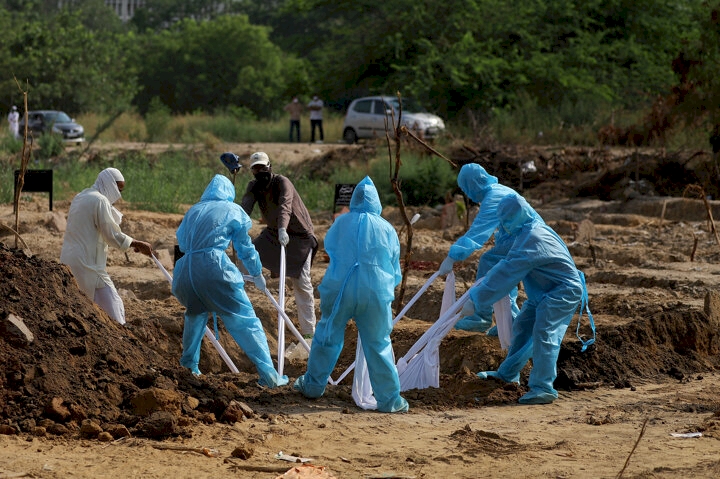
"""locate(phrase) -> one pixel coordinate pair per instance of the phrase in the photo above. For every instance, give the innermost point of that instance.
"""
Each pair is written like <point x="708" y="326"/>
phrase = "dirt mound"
<point x="676" y="340"/>
<point x="69" y="361"/>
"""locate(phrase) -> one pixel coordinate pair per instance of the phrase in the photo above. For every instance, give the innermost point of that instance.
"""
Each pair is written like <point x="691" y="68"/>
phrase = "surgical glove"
<point x="283" y="237"/>
<point x="259" y="281"/>
<point x="468" y="308"/>
<point x="446" y="266"/>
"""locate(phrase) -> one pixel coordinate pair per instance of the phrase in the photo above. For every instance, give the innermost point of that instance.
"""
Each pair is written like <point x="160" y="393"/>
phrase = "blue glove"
<point x="446" y="266"/>
<point x="283" y="237"/>
<point x="468" y="308"/>
<point x="259" y="281"/>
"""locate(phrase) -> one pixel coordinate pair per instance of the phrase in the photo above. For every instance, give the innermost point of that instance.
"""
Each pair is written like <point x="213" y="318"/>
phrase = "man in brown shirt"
<point x="295" y="108"/>
<point x="288" y="224"/>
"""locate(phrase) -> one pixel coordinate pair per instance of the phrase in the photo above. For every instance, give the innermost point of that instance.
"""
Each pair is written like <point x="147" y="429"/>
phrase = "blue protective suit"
<point x="540" y="259"/>
<point x="359" y="283"/>
<point x="206" y="280"/>
<point x="483" y="188"/>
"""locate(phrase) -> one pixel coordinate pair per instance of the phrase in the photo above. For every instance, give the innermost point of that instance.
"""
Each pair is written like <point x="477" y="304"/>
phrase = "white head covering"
<point x="106" y="184"/>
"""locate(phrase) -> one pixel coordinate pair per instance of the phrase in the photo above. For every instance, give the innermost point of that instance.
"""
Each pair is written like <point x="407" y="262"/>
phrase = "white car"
<point x="366" y="116"/>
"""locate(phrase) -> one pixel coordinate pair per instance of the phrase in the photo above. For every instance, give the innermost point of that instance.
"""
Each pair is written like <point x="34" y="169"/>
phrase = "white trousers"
<point x="110" y="302"/>
<point x="304" y="299"/>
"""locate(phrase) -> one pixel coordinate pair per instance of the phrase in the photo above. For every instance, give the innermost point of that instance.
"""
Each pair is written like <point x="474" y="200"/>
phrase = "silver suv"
<point x="366" y="118"/>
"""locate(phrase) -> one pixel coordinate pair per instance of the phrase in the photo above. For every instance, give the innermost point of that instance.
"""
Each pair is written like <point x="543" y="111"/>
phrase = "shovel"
<point x="283" y="315"/>
<point x="281" y="307"/>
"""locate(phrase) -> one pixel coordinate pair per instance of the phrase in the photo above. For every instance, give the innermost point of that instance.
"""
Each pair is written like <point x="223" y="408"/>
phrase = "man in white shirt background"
<point x="316" y="118"/>
<point x="14" y="122"/>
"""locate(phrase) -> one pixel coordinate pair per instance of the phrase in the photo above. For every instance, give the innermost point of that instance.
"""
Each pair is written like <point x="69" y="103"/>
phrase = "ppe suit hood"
<point x="475" y="181"/>
<point x="106" y="184"/>
<point x="219" y="189"/>
<point x="514" y="212"/>
<point x="365" y="198"/>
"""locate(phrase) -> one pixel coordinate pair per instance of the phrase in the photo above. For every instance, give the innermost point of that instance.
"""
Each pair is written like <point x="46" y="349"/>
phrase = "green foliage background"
<point x="575" y="61"/>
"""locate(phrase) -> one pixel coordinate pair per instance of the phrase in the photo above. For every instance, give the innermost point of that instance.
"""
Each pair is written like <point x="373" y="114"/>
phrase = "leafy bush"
<point x="51" y="145"/>
<point x="9" y="144"/>
<point x="157" y="120"/>
<point x="424" y="180"/>
<point x="7" y="181"/>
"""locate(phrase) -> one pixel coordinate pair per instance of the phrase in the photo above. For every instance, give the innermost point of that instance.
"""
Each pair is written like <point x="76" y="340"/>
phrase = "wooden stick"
<point x="17" y="235"/>
<point x="627" y="461"/>
<point x="701" y="193"/>
<point x="205" y="451"/>
<point x="252" y="467"/>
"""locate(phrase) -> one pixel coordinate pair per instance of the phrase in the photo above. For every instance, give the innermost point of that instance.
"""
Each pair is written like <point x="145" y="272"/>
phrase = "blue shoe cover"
<point x="275" y="382"/>
<point x="537" y="397"/>
<point x="195" y="371"/>
<point x="469" y="323"/>
<point x="492" y="331"/>
<point x="300" y="385"/>
<point x="398" y="405"/>
<point x="496" y="375"/>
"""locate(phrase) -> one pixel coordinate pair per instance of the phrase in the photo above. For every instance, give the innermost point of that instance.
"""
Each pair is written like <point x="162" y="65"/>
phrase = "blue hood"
<point x="514" y="212"/>
<point x="475" y="181"/>
<point x="219" y="189"/>
<point x="365" y="198"/>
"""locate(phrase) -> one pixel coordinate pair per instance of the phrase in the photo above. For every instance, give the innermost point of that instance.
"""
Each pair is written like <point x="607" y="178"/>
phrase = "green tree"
<point x="211" y="65"/>
<point x="483" y="53"/>
<point x="698" y="68"/>
<point x="161" y="14"/>
<point x="66" y="66"/>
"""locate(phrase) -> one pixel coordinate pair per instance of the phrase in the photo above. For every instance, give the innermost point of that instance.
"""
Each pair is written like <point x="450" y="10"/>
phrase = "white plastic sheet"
<point x="503" y="319"/>
<point x="397" y="318"/>
<point x="362" y="391"/>
<point x="420" y="367"/>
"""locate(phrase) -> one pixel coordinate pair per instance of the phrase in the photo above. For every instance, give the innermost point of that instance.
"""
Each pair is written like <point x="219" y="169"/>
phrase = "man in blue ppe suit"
<point x="359" y="283"/>
<point x="206" y="280"/>
<point x="482" y="188"/>
<point x="540" y="259"/>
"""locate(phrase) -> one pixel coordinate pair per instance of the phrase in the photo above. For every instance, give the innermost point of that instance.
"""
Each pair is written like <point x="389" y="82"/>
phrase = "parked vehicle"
<point x="366" y="116"/>
<point x="58" y="122"/>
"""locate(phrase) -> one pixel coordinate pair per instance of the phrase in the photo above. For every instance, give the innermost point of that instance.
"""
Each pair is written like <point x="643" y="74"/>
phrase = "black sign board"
<point x="36" y="181"/>
<point x="343" y="194"/>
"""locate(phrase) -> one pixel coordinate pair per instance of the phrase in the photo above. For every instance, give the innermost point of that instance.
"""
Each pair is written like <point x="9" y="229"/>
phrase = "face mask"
<point x="262" y="179"/>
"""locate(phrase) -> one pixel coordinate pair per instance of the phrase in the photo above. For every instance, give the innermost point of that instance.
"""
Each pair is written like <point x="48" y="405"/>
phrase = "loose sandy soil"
<point x="652" y="267"/>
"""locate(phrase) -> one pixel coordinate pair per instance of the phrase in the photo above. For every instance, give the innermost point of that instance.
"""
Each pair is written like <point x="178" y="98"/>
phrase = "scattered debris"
<point x="289" y="458"/>
<point x="205" y="451"/>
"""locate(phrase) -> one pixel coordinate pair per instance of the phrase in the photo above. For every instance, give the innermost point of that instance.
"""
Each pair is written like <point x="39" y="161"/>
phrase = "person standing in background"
<point x="316" y="118"/>
<point x="295" y="109"/>
<point x="14" y="122"/>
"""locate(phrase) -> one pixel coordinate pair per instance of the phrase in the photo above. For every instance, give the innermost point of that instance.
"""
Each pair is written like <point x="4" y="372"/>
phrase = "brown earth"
<point x="71" y="378"/>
